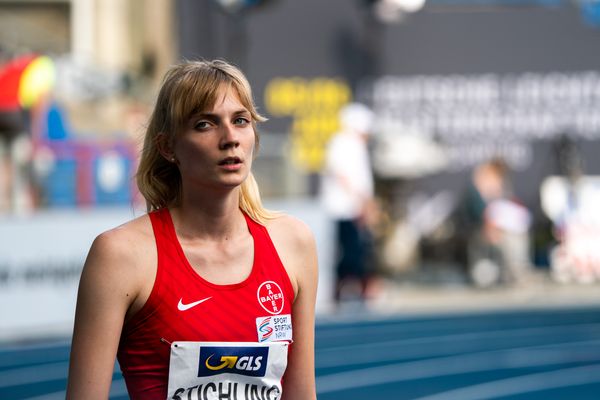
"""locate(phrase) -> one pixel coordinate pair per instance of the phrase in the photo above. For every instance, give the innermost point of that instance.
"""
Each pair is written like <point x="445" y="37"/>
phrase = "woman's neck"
<point x="209" y="216"/>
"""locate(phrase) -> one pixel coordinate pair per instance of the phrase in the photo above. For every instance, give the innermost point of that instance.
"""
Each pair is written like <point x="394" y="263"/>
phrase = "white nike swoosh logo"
<point x="184" y="307"/>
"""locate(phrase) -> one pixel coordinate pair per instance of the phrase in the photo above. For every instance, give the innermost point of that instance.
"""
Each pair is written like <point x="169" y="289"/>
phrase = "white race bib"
<point x="226" y="370"/>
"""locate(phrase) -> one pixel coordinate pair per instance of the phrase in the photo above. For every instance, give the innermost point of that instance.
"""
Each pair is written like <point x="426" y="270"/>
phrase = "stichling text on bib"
<point x="226" y="370"/>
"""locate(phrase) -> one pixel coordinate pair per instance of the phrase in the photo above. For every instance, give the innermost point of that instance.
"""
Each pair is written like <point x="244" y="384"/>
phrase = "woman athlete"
<point x="209" y="295"/>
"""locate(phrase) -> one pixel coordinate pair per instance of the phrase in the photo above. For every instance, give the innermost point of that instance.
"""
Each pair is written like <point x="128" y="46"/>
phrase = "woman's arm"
<point x="296" y="247"/>
<point x="106" y="290"/>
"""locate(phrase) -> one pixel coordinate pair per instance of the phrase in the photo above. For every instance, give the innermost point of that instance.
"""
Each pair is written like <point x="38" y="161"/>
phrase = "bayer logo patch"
<point x="270" y="297"/>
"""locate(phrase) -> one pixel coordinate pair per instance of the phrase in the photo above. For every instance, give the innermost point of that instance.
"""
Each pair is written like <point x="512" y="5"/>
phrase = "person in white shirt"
<point x="347" y="193"/>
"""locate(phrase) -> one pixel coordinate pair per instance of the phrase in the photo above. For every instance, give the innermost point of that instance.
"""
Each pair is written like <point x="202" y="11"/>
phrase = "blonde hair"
<point x="189" y="88"/>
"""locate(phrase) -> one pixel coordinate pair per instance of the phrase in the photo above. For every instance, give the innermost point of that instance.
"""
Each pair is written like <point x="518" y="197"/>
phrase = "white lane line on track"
<point x="339" y="320"/>
<point x="117" y="389"/>
<point x="420" y="347"/>
<point x="398" y="355"/>
<point x="18" y="363"/>
<point x="410" y="327"/>
<point x="33" y="346"/>
<point x="561" y="378"/>
<point x="468" y="336"/>
<point x="60" y="395"/>
<point x="17" y="355"/>
<point x="18" y="360"/>
<point x="444" y="366"/>
<point x="34" y="374"/>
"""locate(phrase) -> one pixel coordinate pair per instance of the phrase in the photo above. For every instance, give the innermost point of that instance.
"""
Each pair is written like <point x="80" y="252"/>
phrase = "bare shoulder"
<point x="291" y="230"/>
<point x="120" y="259"/>
<point x="295" y="244"/>
<point x="126" y="242"/>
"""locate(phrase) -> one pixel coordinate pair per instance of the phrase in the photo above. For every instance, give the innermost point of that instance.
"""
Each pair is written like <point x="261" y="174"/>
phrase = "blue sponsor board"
<point x="60" y="186"/>
<point x="248" y="361"/>
<point x="112" y="177"/>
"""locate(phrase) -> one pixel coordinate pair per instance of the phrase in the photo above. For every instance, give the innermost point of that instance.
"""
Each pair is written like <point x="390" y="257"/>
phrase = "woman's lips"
<point x="231" y="163"/>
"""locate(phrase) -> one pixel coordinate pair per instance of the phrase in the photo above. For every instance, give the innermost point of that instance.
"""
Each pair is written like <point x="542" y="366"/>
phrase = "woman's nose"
<point x="229" y="137"/>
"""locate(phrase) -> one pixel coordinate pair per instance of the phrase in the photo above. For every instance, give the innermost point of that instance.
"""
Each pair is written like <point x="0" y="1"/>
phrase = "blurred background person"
<point x="348" y="196"/>
<point x="25" y="82"/>
<point x="497" y="227"/>
<point x="570" y="200"/>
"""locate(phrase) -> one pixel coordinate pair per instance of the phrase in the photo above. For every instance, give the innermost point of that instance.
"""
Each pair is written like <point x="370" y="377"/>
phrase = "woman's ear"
<point x="164" y="147"/>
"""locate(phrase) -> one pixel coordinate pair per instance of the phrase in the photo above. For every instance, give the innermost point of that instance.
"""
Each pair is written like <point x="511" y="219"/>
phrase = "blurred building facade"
<point x="82" y="137"/>
<point x="131" y="39"/>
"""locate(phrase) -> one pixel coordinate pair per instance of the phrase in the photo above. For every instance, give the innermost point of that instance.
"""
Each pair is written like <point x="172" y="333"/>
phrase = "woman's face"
<point x="216" y="147"/>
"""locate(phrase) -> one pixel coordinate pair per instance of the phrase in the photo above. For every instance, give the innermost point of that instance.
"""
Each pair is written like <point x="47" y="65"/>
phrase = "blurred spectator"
<point x="25" y="80"/>
<point x="497" y="227"/>
<point x="571" y="201"/>
<point x="14" y="140"/>
<point x="348" y="195"/>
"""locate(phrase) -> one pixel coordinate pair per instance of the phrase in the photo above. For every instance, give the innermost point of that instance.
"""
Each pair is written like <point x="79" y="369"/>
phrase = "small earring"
<point x="172" y="159"/>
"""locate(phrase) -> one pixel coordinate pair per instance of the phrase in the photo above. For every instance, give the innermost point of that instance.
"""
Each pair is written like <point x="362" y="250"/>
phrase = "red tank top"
<point x="185" y="307"/>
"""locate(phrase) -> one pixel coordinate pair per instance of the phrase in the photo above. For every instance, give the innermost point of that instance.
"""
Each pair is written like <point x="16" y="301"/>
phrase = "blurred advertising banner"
<point x="41" y="257"/>
<point x="477" y="117"/>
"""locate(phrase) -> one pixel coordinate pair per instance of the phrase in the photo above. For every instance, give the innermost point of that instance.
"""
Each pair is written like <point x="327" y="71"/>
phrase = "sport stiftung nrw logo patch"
<point x="274" y="328"/>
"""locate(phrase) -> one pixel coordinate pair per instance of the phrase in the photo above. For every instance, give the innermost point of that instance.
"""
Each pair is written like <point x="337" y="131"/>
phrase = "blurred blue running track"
<point x="530" y="354"/>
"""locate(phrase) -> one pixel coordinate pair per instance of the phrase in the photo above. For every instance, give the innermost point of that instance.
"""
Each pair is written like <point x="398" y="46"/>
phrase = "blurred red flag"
<point x="10" y="78"/>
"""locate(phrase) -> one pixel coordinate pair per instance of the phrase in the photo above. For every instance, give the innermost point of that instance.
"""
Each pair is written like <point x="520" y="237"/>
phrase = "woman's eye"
<point x="241" y="121"/>
<point x="202" y="125"/>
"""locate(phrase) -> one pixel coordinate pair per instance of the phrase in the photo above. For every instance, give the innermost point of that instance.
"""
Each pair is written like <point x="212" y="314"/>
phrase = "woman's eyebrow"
<point x="210" y="115"/>
<point x="202" y="114"/>
<point x="241" y="111"/>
